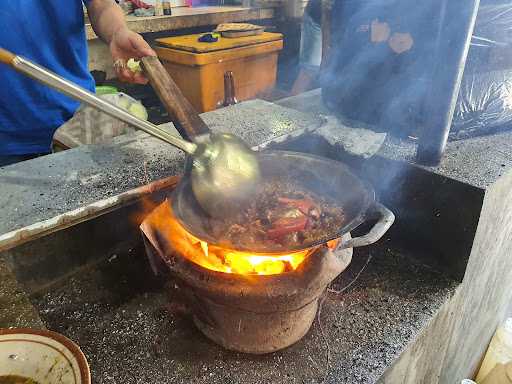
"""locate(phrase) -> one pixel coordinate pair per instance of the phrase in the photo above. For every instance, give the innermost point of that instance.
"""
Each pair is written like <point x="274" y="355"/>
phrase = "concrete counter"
<point x="119" y="314"/>
<point x="40" y="194"/>
<point x="122" y="319"/>
<point x="405" y="320"/>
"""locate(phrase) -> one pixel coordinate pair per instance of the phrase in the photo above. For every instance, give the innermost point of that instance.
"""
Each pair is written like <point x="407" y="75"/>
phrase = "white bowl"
<point x="44" y="356"/>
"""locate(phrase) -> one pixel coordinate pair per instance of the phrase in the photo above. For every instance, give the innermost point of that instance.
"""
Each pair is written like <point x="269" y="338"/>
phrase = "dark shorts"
<point x="11" y="159"/>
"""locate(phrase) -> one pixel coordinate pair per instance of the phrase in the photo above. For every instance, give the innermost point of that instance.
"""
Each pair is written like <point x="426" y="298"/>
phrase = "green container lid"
<point x="106" y="90"/>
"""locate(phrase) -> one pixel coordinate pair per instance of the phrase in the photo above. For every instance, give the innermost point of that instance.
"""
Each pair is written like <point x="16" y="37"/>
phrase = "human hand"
<point x="125" y="45"/>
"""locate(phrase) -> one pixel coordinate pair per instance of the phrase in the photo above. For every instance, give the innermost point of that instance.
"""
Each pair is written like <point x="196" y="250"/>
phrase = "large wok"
<point x="328" y="179"/>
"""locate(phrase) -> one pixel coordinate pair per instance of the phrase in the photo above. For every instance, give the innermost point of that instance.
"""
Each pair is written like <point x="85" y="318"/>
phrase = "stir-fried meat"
<point x="282" y="216"/>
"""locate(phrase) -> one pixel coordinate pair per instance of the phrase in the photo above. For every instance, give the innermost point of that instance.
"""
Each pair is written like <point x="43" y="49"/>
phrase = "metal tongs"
<point x="225" y="170"/>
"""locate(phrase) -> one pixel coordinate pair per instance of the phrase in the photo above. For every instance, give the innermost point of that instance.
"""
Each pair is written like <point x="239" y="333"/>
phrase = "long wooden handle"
<point x="185" y="118"/>
<point x="6" y="57"/>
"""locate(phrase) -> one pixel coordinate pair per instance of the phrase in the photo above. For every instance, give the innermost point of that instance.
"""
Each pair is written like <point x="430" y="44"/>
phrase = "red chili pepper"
<point x="303" y="205"/>
<point x="285" y="226"/>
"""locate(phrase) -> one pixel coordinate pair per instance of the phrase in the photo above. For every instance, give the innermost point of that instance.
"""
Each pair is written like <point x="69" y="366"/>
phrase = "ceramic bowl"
<point x="44" y="356"/>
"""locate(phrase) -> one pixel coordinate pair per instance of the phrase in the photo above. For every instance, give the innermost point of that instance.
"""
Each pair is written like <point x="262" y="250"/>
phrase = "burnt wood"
<point x="185" y="118"/>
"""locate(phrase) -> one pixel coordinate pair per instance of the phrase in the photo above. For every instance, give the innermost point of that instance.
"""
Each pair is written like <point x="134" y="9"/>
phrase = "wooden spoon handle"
<point x="6" y="57"/>
<point x="186" y="119"/>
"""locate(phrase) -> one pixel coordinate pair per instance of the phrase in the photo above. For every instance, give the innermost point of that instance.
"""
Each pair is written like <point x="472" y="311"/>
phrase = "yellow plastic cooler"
<point x="199" y="68"/>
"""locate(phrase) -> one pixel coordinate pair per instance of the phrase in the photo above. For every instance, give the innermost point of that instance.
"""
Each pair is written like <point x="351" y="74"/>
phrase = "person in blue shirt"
<point x="52" y="34"/>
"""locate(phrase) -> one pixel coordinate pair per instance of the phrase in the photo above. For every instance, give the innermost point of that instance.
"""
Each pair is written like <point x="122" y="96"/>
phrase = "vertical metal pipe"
<point x="326" y="32"/>
<point x="457" y="20"/>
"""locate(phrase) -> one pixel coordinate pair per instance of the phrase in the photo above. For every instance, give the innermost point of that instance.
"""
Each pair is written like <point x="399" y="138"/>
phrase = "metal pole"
<point x="457" y="20"/>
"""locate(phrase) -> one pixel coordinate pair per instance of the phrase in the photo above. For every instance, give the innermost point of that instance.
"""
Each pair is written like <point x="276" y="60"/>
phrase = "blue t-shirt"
<point x="52" y="34"/>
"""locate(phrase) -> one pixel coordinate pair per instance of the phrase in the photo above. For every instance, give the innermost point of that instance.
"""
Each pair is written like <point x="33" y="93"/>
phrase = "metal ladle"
<point x="225" y="170"/>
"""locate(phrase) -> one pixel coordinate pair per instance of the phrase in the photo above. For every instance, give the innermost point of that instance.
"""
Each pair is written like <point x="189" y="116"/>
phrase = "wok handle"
<point x="386" y="220"/>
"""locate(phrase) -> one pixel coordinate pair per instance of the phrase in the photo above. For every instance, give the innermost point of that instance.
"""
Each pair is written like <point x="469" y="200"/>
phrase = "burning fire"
<point x="221" y="259"/>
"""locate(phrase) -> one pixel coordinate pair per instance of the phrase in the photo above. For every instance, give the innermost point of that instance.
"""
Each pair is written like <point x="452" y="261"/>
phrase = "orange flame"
<point x="220" y="259"/>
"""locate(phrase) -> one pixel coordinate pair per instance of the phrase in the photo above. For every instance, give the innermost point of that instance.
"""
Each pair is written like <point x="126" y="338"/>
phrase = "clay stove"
<point x="251" y="303"/>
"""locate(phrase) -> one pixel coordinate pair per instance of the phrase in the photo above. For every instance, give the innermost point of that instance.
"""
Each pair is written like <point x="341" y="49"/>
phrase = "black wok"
<point x="328" y="179"/>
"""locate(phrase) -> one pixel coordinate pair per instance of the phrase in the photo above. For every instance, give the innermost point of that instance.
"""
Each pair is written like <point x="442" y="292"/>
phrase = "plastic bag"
<point x="90" y="126"/>
<point x="493" y="25"/>
<point x="492" y="38"/>
<point x="484" y="105"/>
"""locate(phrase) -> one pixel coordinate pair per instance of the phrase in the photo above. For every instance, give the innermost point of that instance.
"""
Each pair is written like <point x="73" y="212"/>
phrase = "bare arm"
<point x="107" y="20"/>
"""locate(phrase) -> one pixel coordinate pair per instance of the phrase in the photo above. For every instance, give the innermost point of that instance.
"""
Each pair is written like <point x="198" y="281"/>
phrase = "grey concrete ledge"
<point x="44" y="194"/>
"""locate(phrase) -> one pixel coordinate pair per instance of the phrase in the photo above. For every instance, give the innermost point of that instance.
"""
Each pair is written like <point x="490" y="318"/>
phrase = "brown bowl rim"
<point x="75" y="350"/>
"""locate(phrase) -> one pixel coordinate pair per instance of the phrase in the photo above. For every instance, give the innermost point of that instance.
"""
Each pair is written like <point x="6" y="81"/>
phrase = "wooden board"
<point x="189" y="43"/>
<point x="233" y="34"/>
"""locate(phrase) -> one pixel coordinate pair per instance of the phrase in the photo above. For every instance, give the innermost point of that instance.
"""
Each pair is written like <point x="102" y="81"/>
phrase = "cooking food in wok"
<point x="303" y="201"/>
<point x="281" y="216"/>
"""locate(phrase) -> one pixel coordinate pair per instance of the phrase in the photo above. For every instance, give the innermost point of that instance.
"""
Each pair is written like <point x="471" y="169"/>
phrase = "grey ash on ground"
<point x="120" y="315"/>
